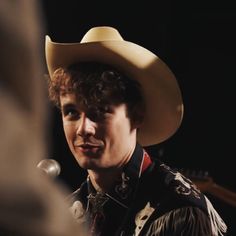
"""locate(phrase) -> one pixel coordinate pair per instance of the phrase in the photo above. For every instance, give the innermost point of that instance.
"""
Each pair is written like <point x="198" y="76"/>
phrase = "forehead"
<point x="67" y="98"/>
<point x="75" y="100"/>
<point x="70" y="99"/>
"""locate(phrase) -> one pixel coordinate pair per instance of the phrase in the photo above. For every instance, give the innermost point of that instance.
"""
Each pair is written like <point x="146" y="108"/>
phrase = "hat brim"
<point x="163" y="99"/>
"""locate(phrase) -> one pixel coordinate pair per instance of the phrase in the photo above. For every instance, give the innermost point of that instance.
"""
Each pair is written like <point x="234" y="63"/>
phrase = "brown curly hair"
<point x="97" y="86"/>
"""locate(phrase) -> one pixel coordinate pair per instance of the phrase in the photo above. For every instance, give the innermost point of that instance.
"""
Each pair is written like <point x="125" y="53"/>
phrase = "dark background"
<point x="198" y="44"/>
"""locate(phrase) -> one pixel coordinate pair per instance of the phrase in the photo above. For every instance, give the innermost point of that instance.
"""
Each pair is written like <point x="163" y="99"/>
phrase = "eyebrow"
<point x="67" y="106"/>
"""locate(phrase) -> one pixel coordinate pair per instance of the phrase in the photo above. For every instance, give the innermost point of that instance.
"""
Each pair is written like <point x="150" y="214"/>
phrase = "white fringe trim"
<point x="217" y="224"/>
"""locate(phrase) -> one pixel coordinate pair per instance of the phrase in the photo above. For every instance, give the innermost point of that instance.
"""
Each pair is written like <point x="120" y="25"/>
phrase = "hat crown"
<point x="102" y="33"/>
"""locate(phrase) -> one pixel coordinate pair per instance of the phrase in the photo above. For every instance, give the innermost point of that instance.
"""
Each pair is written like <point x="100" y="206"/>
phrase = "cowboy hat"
<point x="163" y="99"/>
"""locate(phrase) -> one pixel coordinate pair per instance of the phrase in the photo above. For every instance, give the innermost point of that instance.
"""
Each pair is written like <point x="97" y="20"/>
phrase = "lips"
<point x="88" y="146"/>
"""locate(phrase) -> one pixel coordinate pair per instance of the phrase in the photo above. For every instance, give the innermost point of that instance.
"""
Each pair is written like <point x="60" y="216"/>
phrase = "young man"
<point x="115" y="98"/>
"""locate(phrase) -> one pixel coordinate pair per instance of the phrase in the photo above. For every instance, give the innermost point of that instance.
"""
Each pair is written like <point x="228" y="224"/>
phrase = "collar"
<point x="138" y="163"/>
<point x="123" y="192"/>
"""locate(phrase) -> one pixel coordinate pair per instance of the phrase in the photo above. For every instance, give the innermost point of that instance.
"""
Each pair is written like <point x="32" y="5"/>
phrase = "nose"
<point x="85" y="126"/>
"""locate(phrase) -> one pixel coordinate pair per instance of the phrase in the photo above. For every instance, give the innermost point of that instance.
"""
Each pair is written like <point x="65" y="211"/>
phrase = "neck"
<point x="103" y="180"/>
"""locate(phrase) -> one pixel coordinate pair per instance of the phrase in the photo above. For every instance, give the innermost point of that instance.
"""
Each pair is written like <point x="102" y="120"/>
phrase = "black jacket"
<point x="150" y="199"/>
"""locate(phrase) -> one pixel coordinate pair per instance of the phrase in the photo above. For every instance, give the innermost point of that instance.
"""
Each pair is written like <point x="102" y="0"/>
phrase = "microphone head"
<point x="50" y="166"/>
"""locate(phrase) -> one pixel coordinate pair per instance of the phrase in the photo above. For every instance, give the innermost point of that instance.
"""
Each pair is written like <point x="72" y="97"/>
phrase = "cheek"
<point x="120" y="131"/>
<point x="69" y="132"/>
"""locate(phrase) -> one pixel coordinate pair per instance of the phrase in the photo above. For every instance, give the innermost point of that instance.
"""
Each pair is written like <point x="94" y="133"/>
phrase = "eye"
<point x="99" y="114"/>
<point x="94" y="115"/>
<point x="70" y="113"/>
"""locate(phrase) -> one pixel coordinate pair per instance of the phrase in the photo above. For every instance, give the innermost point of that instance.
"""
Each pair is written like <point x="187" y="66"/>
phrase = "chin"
<point x="84" y="163"/>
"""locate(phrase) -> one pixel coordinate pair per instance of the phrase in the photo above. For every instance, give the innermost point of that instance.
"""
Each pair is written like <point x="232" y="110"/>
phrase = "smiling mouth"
<point x="88" y="147"/>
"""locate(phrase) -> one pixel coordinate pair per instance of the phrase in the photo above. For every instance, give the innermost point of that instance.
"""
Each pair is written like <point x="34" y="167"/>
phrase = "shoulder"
<point x="179" y="205"/>
<point x="79" y="194"/>
<point x="77" y="201"/>
<point x="174" y="190"/>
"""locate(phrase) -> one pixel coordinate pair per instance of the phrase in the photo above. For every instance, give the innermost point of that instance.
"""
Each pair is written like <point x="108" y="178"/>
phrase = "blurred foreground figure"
<point x="31" y="204"/>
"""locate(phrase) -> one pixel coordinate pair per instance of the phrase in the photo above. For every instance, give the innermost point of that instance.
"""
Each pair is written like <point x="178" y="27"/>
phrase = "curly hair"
<point x="96" y="86"/>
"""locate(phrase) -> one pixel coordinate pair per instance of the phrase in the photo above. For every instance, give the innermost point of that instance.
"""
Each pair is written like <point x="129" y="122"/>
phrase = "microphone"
<point x="50" y="166"/>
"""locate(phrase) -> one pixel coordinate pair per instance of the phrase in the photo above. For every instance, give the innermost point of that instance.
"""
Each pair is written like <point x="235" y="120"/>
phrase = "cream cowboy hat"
<point x="164" y="106"/>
